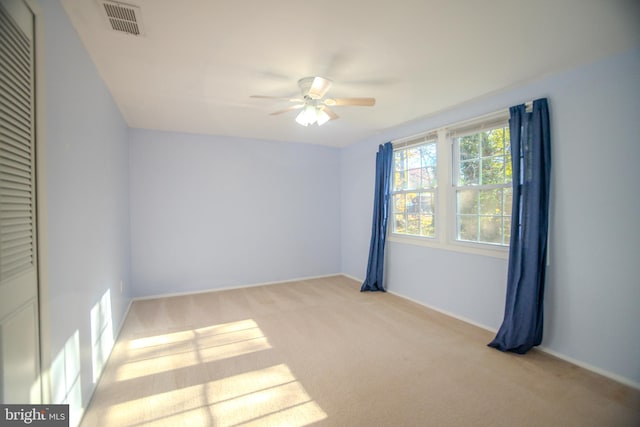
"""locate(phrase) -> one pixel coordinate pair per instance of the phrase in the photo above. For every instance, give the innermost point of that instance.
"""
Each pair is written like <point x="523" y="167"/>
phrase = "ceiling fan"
<point x="314" y="108"/>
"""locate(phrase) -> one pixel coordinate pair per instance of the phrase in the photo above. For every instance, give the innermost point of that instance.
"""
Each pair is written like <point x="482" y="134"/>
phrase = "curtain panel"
<point x="375" y="265"/>
<point x="522" y="325"/>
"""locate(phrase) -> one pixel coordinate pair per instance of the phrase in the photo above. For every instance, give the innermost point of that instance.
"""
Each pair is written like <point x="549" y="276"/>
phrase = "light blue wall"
<point x="593" y="308"/>
<point x="213" y="212"/>
<point x="593" y="289"/>
<point x="87" y="202"/>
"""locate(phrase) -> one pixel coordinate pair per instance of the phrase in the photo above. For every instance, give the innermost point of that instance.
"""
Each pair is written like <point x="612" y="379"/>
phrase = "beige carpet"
<point x="319" y="352"/>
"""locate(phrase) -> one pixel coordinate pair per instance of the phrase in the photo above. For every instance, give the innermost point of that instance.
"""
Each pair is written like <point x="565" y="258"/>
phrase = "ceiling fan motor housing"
<point x="314" y="87"/>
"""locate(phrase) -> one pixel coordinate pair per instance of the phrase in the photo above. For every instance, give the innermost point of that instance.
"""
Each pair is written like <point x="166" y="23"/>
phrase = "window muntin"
<point x="482" y="185"/>
<point x="413" y="194"/>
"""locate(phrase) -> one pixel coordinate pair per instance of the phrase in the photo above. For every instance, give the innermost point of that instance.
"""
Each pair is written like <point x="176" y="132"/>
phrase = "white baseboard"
<point x="587" y="366"/>
<point x="352" y="277"/>
<point x="227" y="288"/>
<point x="446" y="313"/>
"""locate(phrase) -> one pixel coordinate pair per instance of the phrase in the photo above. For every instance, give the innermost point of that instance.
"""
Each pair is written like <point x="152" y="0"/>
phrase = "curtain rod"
<point x="528" y="105"/>
<point x="419" y="137"/>
<point x="407" y="140"/>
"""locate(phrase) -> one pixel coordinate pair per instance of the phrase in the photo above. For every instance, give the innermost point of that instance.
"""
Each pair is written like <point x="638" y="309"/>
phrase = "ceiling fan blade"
<point x="331" y="114"/>
<point x="351" y="102"/>
<point x="288" y="98"/>
<point x="286" y="110"/>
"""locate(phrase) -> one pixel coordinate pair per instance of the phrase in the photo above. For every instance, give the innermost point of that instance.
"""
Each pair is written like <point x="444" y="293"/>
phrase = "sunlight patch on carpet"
<point x="263" y="397"/>
<point x="175" y="337"/>
<point x="162" y="353"/>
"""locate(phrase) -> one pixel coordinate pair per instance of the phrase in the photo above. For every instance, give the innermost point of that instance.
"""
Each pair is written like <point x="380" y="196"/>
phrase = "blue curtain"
<point x="531" y="160"/>
<point x="375" y="266"/>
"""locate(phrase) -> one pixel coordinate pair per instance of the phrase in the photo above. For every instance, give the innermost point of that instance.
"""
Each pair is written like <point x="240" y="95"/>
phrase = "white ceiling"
<point x="200" y="60"/>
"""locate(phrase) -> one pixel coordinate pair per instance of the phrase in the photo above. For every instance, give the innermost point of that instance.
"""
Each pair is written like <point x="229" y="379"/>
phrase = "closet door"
<point x="19" y="341"/>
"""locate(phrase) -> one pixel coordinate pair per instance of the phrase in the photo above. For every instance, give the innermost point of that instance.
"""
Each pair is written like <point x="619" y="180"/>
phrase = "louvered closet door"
<point x="19" y="343"/>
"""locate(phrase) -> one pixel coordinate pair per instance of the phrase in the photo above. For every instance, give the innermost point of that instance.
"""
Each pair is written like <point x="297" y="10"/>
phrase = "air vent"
<point x="123" y="18"/>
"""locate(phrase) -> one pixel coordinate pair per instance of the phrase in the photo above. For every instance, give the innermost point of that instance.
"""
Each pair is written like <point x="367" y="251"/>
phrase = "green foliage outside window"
<point x="413" y="190"/>
<point x="484" y="191"/>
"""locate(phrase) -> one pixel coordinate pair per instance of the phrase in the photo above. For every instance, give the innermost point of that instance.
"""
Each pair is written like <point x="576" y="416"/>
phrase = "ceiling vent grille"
<point x="123" y="18"/>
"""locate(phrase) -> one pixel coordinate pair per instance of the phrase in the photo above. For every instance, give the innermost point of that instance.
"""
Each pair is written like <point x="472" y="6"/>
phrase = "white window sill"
<point x="501" y="252"/>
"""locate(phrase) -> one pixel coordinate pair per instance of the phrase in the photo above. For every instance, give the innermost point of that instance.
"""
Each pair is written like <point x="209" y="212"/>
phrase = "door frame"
<point x="44" y="317"/>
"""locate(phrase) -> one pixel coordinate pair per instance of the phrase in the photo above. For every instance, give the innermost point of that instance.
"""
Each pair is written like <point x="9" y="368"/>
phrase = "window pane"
<point x="412" y="203"/>
<point x="399" y="160"/>
<point x="399" y="180"/>
<point x="491" y="229"/>
<point x="468" y="227"/>
<point x="429" y="154"/>
<point x="413" y="224"/>
<point x="493" y="170"/>
<point x="508" y="201"/>
<point x="481" y="217"/>
<point x="399" y="225"/>
<point x="469" y="172"/>
<point x="415" y="179"/>
<point x="469" y="147"/>
<point x="507" y="230"/>
<point x="427" y="226"/>
<point x="467" y="202"/>
<point x="493" y="143"/>
<point x="491" y="202"/>
<point x="413" y="213"/>
<point x="429" y="179"/>
<point x="413" y="158"/>
<point x="427" y="202"/>
<point x="399" y="203"/>
<point x="424" y="178"/>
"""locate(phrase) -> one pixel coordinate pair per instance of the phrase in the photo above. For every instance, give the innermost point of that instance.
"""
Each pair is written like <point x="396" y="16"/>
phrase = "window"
<point x="482" y="166"/>
<point x="451" y="187"/>
<point x="413" y="191"/>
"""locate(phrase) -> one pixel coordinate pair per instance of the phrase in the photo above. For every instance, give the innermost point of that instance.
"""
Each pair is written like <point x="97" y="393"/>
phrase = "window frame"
<point x="455" y="180"/>
<point x="415" y="142"/>
<point x="445" y="214"/>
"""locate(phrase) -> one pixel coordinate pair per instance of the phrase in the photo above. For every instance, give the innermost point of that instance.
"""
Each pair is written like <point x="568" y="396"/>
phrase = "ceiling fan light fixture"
<point x="307" y="116"/>
<point x="301" y="119"/>
<point x="311" y="114"/>
<point x="322" y="117"/>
